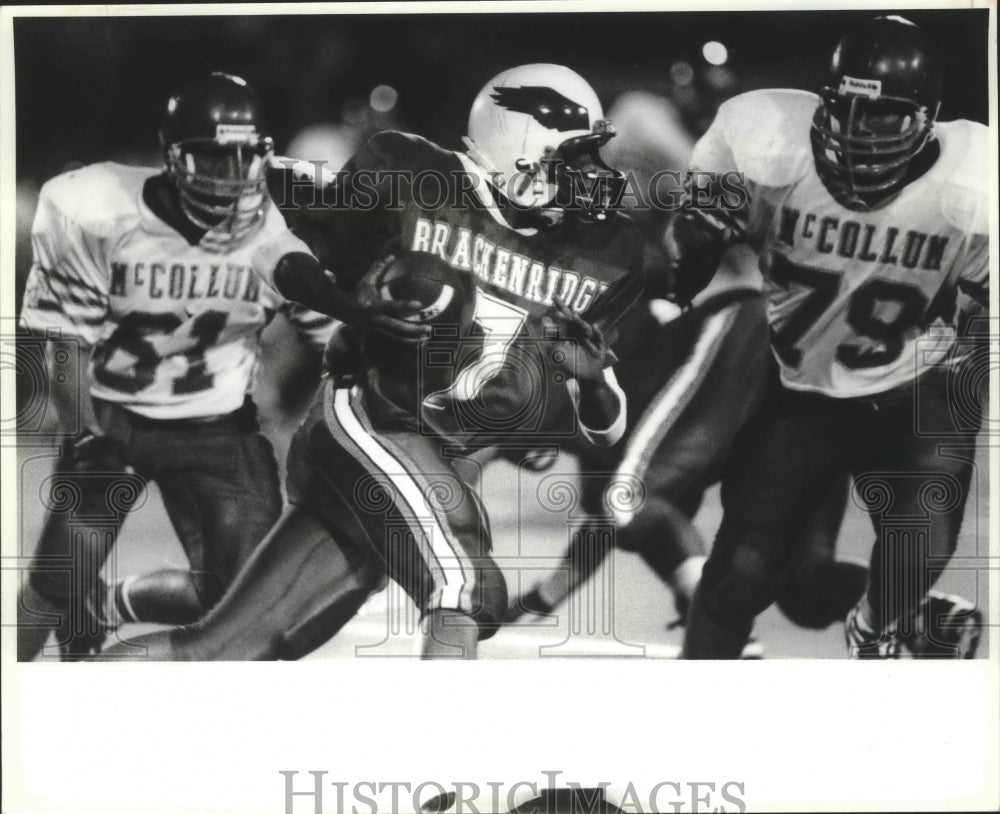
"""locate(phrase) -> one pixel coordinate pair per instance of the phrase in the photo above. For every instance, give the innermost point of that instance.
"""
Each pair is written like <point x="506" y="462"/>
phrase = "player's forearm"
<point x="695" y="244"/>
<point x="69" y="393"/>
<point x="600" y="407"/>
<point x="286" y="263"/>
<point x="298" y="277"/>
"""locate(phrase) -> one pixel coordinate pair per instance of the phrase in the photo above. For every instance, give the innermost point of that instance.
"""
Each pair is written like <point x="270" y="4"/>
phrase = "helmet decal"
<point x="545" y="105"/>
<point x="236" y="133"/>
<point x="852" y="86"/>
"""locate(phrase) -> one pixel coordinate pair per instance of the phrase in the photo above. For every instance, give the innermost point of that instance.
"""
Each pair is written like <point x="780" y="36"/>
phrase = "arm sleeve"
<point x="712" y="217"/>
<point x="625" y="293"/>
<point x="974" y="277"/>
<point x="612" y="434"/>
<point x="314" y="329"/>
<point x="266" y="256"/>
<point x="67" y="287"/>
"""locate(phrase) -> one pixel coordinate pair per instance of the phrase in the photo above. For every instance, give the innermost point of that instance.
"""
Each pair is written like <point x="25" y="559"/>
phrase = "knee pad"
<point x="663" y="527"/>
<point x="736" y="591"/>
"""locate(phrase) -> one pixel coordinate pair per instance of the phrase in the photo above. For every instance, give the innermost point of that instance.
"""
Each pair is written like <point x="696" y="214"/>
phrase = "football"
<point x="447" y="296"/>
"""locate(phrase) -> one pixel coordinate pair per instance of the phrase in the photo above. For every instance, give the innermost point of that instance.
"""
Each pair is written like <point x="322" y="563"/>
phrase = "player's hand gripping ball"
<point x="416" y="294"/>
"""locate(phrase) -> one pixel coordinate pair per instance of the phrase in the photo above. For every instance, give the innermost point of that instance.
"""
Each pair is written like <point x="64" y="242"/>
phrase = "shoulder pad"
<point x="962" y="171"/>
<point x="768" y="133"/>
<point x="650" y="130"/>
<point x="97" y="195"/>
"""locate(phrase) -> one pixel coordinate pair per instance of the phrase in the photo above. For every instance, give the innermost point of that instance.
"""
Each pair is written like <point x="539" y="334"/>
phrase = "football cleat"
<point x="945" y="627"/>
<point x="753" y="650"/>
<point x="528" y="603"/>
<point x="863" y="643"/>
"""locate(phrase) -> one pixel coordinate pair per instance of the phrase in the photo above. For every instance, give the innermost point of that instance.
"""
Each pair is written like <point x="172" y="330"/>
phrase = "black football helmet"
<point x="215" y="145"/>
<point x="877" y="112"/>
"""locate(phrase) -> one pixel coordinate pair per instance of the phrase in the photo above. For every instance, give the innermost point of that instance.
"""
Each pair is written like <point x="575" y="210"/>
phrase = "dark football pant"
<point x="220" y="488"/>
<point x="709" y="369"/>
<point x="366" y="505"/>
<point x="295" y="592"/>
<point x="782" y="466"/>
<point x="402" y="491"/>
<point x="682" y="436"/>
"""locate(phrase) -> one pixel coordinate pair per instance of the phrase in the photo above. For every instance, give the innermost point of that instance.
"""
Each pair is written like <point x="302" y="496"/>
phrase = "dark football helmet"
<point x="877" y="112"/>
<point x="215" y="145"/>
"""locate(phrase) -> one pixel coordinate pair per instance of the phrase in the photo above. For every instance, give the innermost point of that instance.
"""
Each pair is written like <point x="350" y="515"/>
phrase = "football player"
<point x="526" y="219"/>
<point x="148" y="272"/>
<point x="685" y="414"/>
<point x="870" y="222"/>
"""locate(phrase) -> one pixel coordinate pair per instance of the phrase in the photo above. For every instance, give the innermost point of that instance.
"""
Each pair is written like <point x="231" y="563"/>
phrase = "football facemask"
<point x="863" y="146"/>
<point x="585" y="186"/>
<point x="221" y="185"/>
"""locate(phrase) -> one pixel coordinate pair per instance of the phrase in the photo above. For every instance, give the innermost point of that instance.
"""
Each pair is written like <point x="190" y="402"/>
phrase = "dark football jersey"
<point x="501" y="378"/>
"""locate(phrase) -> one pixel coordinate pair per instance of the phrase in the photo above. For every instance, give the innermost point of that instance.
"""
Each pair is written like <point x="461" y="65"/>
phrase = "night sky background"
<point x="88" y="88"/>
<point x="91" y="89"/>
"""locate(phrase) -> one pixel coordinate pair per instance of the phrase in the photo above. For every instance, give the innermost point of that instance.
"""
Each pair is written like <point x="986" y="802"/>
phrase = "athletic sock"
<point x="684" y="582"/>
<point x="866" y="618"/>
<point x="449" y="634"/>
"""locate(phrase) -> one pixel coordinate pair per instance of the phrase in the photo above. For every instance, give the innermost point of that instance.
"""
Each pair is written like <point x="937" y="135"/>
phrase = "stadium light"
<point x="383" y="98"/>
<point x="715" y="53"/>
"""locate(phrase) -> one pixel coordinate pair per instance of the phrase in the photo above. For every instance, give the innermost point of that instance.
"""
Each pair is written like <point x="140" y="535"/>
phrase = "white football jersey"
<point x="174" y="328"/>
<point x="858" y="302"/>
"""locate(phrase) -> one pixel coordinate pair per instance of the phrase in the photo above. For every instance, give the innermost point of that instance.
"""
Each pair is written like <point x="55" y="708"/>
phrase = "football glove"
<point x="91" y="451"/>
<point x="581" y="347"/>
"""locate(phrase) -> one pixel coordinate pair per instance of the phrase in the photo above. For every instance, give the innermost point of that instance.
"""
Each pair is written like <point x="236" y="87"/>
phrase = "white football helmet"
<point x="536" y="130"/>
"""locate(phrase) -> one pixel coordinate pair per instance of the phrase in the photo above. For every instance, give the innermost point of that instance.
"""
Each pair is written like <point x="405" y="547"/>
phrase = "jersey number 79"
<point x="880" y="311"/>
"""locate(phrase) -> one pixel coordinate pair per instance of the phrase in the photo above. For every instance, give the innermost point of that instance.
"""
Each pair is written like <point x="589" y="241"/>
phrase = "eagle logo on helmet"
<point x="545" y="105"/>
